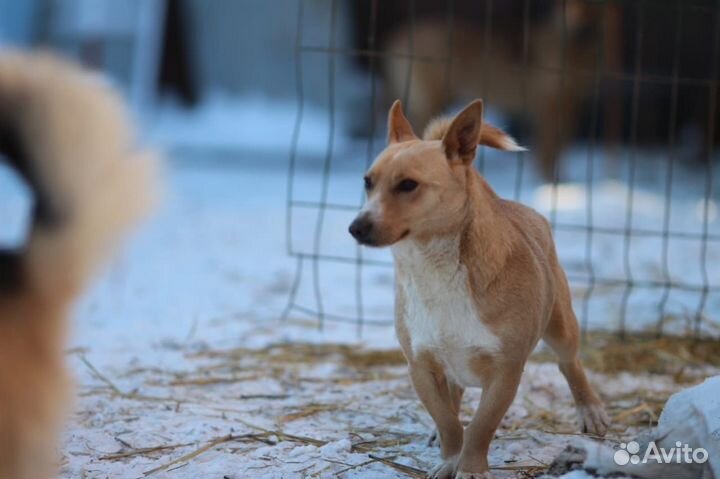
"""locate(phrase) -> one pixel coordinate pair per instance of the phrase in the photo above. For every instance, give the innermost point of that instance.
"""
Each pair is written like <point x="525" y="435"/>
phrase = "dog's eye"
<point x="368" y="183"/>
<point x="407" y="185"/>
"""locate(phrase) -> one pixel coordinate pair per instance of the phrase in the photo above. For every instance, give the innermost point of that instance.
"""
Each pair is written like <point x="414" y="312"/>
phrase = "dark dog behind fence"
<point x="643" y="77"/>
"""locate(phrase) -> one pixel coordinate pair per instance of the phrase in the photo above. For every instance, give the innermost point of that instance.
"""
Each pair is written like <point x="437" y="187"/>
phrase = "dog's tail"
<point x="66" y="133"/>
<point x="490" y="135"/>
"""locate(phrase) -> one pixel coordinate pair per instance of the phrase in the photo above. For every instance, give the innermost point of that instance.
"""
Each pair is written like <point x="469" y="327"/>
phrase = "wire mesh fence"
<point x="616" y="100"/>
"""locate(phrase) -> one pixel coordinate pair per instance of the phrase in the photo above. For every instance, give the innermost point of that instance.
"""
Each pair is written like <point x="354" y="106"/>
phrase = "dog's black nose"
<point x="361" y="229"/>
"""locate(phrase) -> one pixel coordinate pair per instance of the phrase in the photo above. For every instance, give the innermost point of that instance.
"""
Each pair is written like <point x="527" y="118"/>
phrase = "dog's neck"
<point x="438" y="254"/>
<point x="479" y="241"/>
<point x="485" y="243"/>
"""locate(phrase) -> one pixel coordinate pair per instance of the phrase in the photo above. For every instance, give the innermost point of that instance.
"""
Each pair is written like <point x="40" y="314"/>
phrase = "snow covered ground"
<point x="295" y="411"/>
<point x="184" y="368"/>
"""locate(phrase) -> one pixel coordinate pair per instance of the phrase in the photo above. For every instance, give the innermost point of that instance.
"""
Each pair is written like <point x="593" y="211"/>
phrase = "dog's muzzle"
<point x="362" y="229"/>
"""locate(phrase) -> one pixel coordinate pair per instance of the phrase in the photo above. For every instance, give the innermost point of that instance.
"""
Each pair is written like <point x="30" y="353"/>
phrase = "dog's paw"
<point x="433" y="439"/>
<point x="594" y="419"/>
<point x="444" y="470"/>
<point x="473" y="475"/>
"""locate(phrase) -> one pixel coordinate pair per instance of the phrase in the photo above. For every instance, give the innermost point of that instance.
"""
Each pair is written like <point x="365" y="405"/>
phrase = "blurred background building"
<point x="191" y="67"/>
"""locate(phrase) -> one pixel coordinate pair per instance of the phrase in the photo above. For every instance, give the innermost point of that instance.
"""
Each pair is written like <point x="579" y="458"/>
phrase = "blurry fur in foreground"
<point x="67" y="135"/>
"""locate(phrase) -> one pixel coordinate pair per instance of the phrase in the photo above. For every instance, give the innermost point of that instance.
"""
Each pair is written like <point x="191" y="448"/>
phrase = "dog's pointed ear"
<point x="399" y="128"/>
<point x="462" y="137"/>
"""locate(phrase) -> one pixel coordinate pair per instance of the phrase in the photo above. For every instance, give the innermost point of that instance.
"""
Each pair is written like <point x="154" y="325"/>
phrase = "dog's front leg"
<point x="498" y="393"/>
<point x="456" y="394"/>
<point x="431" y="386"/>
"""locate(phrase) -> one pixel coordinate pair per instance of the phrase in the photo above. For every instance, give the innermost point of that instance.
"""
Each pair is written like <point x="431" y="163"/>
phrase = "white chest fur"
<point x="440" y="313"/>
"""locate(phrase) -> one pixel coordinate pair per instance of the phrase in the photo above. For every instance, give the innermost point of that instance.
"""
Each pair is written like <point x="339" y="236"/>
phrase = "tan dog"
<point x="65" y="132"/>
<point x="478" y="282"/>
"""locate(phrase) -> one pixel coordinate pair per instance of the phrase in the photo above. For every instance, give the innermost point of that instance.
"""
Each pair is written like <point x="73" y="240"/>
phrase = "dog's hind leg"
<point x="562" y="335"/>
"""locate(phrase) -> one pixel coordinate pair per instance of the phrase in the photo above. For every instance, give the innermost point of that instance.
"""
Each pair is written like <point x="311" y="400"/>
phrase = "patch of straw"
<point x="645" y="353"/>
